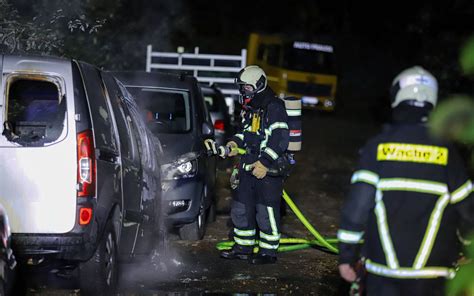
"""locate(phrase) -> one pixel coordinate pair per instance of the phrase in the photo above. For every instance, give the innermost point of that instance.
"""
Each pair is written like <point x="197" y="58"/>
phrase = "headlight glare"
<point x="185" y="168"/>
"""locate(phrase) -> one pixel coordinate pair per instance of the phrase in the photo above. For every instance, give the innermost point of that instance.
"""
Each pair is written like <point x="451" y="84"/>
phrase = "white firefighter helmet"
<point x="416" y="86"/>
<point x="252" y="75"/>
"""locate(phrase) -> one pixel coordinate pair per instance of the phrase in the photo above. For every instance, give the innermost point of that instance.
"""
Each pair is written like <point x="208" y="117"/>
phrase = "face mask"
<point x="246" y="95"/>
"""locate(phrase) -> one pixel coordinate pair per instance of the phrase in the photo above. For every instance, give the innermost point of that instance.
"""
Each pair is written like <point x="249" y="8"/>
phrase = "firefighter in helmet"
<point x="264" y="134"/>
<point x="410" y="200"/>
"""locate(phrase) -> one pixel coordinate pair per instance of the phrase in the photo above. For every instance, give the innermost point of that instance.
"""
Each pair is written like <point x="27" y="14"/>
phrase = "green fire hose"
<point x="293" y="244"/>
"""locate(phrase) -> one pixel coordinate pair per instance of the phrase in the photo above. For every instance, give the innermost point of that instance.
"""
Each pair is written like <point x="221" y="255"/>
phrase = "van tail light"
<point x="85" y="216"/>
<point x="86" y="167"/>
<point x="219" y="125"/>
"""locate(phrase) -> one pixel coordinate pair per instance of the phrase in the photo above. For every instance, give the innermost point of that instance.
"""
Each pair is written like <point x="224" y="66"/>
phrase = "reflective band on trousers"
<point x="269" y="237"/>
<point x="365" y="176"/>
<point x="414" y="185"/>
<point x="462" y="192"/>
<point x="349" y="237"/>
<point x="267" y="246"/>
<point x="273" y="224"/>
<point x="244" y="242"/>
<point x="409" y="273"/>
<point x="250" y="232"/>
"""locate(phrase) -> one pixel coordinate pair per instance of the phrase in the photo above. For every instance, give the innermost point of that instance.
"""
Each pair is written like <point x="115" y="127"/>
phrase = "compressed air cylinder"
<point x="293" y="109"/>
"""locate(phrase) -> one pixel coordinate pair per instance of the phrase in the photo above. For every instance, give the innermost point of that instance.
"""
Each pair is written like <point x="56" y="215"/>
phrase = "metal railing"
<point x="209" y="69"/>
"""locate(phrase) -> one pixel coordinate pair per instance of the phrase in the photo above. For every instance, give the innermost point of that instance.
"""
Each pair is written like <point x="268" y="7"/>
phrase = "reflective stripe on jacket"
<point x="410" y="197"/>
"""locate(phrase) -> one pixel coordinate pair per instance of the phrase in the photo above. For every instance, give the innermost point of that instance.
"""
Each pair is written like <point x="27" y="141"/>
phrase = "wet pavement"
<point x="317" y="186"/>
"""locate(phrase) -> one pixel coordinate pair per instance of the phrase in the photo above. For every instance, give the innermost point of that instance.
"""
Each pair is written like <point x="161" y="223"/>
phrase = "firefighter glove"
<point x="211" y="148"/>
<point x="347" y="272"/>
<point x="259" y="170"/>
<point x="234" y="148"/>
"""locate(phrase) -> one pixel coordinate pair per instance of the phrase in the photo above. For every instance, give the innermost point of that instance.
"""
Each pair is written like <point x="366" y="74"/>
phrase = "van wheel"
<point x="98" y="276"/>
<point x="195" y="230"/>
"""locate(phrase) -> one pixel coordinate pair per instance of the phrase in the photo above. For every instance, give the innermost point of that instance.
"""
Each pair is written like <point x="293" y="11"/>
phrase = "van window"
<point x="139" y="128"/>
<point x="212" y="102"/>
<point x="123" y="126"/>
<point x="164" y="110"/>
<point x="99" y="108"/>
<point x="35" y="111"/>
<point x="127" y="119"/>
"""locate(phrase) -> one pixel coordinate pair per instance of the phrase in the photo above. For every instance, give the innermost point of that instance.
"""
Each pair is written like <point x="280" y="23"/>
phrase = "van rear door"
<point x="38" y="171"/>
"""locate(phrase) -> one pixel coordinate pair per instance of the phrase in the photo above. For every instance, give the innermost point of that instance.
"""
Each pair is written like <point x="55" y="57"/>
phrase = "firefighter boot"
<point x="236" y="253"/>
<point x="263" y="259"/>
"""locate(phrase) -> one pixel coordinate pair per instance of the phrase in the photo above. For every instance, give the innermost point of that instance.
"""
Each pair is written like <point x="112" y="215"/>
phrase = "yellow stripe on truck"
<point x="412" y="153"/>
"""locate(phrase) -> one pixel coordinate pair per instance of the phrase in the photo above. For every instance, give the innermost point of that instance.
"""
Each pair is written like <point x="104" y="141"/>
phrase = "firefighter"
<point x="264" y="134"/>
<point x="409" y="207"/>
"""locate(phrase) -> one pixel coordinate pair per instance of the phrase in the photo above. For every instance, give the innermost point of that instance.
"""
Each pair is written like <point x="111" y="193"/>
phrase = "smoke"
<point x="162" y="266"/>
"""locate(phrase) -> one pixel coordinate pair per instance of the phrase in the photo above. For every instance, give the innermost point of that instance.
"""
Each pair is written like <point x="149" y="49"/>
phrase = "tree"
<point x="45" y="29"/>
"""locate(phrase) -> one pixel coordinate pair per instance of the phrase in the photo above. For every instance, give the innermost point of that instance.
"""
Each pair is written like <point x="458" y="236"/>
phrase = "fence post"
<point x="148" y="57"/>
<point x="196" y="52"/>
<point x="244" y="58"/>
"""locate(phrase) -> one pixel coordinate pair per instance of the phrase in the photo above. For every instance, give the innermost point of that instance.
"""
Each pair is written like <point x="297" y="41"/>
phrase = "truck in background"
<point x="302" y="69"/>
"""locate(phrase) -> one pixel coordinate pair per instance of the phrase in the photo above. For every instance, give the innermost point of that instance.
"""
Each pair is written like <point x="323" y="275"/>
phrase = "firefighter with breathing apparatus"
<point x="264" y="135"/>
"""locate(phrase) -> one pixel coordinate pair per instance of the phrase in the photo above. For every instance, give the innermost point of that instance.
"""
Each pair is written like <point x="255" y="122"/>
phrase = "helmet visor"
<point x="247" y="90"/>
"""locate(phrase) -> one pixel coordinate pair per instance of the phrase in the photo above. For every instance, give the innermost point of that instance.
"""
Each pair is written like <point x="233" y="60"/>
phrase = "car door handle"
<point x="107" y="155"/>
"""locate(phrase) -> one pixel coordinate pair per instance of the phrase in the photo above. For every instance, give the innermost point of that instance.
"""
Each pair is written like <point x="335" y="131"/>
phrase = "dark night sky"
<point x="375" y="40"/>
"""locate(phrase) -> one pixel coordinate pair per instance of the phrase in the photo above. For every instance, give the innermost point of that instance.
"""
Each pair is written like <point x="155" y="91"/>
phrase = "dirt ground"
<point x="317" y="186"/>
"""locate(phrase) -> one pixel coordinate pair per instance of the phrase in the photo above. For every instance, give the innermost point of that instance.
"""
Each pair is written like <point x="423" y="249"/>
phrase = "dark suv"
<point x="175" y="111"/>
<point x="80" y="177"/>
<point x="219" y="111"/>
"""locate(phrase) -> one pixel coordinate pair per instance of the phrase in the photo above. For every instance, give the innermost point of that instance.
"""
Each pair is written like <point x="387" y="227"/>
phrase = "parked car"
<point x="219" y="111"/>
<point x="175" y="111"/>
<point x="80" y="174"/>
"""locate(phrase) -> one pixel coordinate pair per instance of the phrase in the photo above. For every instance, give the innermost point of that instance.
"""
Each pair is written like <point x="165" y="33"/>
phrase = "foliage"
<point x="44" y="32"/>
<point x="454" y="120"/>
<point x="463" y="283"/>
<point x="107" y="33"/>
<point x="466" y="58"/>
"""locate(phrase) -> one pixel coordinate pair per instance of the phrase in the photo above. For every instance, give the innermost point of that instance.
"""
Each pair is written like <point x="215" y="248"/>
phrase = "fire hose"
<point x="293" y="244"/>
<point x="286" y="244"/>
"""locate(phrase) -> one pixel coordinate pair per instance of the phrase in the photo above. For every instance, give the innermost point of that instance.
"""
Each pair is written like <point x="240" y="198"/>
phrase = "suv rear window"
<point x="35" y="111"/>
<point x="212" y="102"/>
<point x="164" y="110"/>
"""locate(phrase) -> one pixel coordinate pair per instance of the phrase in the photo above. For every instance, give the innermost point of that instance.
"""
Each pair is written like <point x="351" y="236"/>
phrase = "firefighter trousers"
<point x="255" y="213"/>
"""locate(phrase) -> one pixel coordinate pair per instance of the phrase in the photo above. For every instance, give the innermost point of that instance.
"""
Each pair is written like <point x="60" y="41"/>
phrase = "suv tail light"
<point x="86" y="169"/>
<point x="219" y="125"/>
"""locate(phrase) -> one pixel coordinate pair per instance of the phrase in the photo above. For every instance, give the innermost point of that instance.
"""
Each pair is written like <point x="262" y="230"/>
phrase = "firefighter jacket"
<point x="263" y="132"/>
<point x="408" y="206"/>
